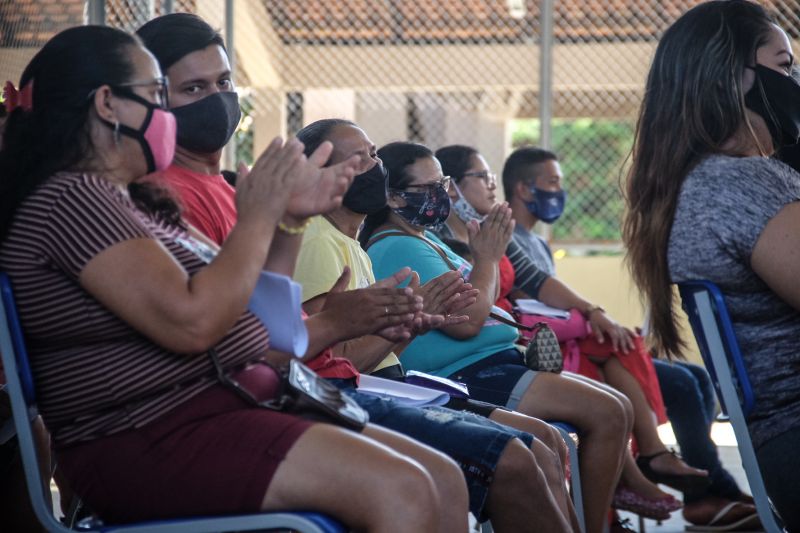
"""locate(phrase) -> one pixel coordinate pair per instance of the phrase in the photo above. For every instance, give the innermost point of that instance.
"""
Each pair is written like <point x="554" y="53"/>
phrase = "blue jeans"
<point x="500" y="379"/>
<point x="474" y="442"/>
<point x="691" y="406"/>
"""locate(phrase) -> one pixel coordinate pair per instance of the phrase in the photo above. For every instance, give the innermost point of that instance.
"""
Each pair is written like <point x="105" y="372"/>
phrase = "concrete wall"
<point x="605" y="281"/>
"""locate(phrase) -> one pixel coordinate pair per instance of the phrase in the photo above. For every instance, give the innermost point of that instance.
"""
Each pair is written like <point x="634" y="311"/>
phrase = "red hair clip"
<point x="14" y="98"/>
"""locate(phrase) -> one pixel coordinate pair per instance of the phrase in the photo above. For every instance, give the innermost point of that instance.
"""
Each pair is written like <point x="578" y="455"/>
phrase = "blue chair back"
<point x="20" y="387"/>
<point x="15" y="329"/>
<point x="713" y="330"/>
<point x="730" y="345"/>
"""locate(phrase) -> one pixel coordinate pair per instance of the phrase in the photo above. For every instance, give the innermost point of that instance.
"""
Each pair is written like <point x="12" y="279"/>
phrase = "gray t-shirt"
<point x="535" y="249"/>
<point x="723" y="207"/>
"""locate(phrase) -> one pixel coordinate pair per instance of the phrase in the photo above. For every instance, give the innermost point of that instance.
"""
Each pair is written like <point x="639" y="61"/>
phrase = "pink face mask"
<point x="156" y="136"/>
<point x="159" y="135"/>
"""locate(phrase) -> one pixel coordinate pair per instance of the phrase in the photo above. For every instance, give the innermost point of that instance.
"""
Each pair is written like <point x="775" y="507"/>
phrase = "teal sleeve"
<point x="393" y="253"/>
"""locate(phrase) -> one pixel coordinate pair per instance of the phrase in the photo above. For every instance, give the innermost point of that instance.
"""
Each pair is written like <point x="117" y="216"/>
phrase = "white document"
<point x="535" y="307"/>
<point x="404" y="393"/>
<point x="277" y="303"/>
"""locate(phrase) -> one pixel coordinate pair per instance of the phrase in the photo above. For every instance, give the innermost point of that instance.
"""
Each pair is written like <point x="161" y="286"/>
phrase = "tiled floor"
<point x="729" y="454"/>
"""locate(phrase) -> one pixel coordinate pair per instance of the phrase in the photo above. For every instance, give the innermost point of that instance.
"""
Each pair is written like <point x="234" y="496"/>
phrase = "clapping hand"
<point x="489" y="240"/>
<point x="444" y="296"/>
<point x="263" y="190"/>
<point x="381" y="309"/>
<point x="317" y="189"/>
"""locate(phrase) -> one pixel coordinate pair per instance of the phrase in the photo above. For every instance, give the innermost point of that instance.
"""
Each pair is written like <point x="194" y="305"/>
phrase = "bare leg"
<point x="538" y="428"/>
<point x="633" y="478"/>
<point x="519" y="498"/>
<point x="644" y="425"/>
<point x="603" y="425"/>
<point x="352" y="477"/>
<point x="550" y="452"/>
<point x="445" y="473"/>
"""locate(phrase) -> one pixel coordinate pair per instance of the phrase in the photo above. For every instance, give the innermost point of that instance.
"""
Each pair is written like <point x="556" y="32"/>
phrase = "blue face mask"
<point x="547" y="206"/>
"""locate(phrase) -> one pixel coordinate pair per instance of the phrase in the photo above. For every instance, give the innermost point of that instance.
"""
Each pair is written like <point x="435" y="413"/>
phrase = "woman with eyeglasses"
<point x="121" y="305"/>
<point x="628" y="370"/>
<point x="481" y="351"/>
<point x="472" y="197"/>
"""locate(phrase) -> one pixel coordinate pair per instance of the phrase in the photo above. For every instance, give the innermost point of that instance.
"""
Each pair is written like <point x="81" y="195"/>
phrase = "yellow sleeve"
<point x="319" y="265"/>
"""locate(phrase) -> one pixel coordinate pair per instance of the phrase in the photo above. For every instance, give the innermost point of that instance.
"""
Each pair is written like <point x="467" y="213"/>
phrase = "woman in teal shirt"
<point x="435" y="352"/>
<point x="481" y="351"/>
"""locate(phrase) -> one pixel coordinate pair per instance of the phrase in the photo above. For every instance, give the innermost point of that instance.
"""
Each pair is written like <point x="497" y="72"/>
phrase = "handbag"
<point x="302" y="393"/>
<point x="574" y="327"/>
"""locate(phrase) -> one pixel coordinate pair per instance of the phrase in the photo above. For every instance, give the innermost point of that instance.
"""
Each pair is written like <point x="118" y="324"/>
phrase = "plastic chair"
<point x="713" y="330"/>
<point x="21" y="390"/>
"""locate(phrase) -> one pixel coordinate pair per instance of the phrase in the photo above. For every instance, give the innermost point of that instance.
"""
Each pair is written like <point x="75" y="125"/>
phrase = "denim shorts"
<point x="396" y="373"/>
<point x="474" y="442"/>
<point x="501" y="378"/>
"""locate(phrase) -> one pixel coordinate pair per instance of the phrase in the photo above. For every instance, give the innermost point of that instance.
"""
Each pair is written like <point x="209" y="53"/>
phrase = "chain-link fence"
<point x="470" y="72"/>
<point x="494" y="74"/>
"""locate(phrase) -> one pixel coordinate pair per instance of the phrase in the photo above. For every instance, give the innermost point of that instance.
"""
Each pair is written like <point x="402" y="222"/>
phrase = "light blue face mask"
<point x="547" y="206"/>
<point x="464" y="209"/>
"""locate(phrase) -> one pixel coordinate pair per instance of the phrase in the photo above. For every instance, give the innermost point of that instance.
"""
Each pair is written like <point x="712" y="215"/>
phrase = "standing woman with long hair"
<point x="705" y="201"/>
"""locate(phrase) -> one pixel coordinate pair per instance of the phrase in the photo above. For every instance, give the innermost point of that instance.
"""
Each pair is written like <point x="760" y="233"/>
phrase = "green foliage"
<point x="591" y="153"/>
<point x="243" y="137"/>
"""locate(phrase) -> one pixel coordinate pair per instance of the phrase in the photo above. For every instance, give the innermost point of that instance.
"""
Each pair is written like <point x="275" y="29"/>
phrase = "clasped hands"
<point x="399" y="314"/>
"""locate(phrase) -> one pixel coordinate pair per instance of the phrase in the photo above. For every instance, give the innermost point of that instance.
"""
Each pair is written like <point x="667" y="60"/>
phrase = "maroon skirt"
<point x="212" y="455"/>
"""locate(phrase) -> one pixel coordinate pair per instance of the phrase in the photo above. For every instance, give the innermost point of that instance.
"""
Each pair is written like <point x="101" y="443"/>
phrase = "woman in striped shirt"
<point x="120" y="309"/>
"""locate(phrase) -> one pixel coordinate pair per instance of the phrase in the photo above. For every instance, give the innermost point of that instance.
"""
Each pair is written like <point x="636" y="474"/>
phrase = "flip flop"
<point x="746" y="523"/>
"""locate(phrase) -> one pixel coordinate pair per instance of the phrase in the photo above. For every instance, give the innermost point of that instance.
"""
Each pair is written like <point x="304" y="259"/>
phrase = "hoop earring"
<point x="116" y="132"/>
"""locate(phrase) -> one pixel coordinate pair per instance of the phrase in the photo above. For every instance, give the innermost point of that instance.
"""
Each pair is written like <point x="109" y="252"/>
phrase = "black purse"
<point x="302" y="393"/>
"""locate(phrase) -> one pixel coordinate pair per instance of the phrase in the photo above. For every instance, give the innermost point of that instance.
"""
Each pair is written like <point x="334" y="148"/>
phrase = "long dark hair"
<point x="693" y="103"/>
<point x="54" y="134"/>
<point x="396" y="157"/>
<point x="456" y="160"/>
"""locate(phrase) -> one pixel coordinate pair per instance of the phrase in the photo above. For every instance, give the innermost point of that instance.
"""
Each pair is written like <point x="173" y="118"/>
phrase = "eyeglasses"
<point x="161" y="86"/>
<point x="444" y="182"/>
<point x="488" y="177"/>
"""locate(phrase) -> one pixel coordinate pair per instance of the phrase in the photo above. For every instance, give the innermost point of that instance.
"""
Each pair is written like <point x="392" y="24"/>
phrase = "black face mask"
<point x="207" y="125"/>
<point x="776" y="98"/>
<point x="367" y="193"/>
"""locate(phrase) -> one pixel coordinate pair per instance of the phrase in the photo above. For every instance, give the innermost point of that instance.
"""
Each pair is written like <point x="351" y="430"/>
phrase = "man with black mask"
<point x="206" y="108"/>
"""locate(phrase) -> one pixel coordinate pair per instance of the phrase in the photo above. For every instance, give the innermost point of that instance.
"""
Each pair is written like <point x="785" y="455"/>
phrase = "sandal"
<point x="680" y="482"/>
<point x="724" y="521"/>
<point x="656" y="508"/>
